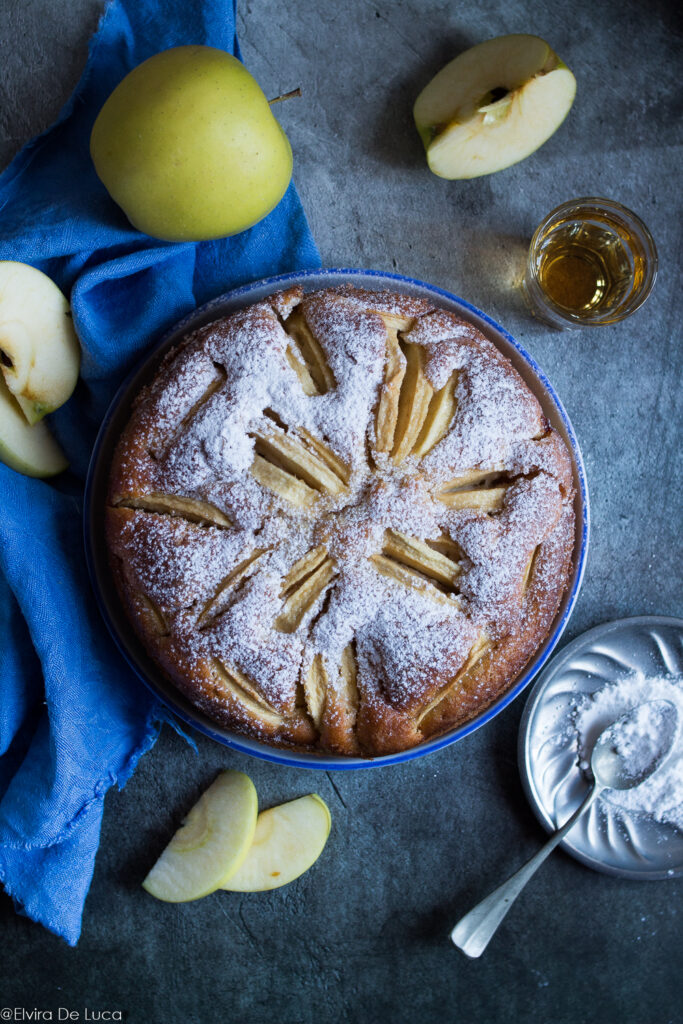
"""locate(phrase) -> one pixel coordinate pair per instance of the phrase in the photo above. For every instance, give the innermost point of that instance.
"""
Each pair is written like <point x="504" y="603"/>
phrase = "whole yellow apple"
<point x="188" y="147"/>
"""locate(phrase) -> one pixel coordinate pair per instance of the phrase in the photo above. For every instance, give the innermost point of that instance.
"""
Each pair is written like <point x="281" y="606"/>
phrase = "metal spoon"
<point x="474" y="931"/>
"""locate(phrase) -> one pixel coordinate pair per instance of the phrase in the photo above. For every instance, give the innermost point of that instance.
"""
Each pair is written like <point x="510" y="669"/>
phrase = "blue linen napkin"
<point x="73" y="719"/>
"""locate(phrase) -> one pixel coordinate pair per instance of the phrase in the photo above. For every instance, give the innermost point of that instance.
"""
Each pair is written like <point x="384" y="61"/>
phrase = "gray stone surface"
<point x="363" y="937"/>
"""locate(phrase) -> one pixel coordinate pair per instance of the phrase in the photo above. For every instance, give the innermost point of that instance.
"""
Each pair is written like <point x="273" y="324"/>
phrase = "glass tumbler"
<point x="591" y="262"/>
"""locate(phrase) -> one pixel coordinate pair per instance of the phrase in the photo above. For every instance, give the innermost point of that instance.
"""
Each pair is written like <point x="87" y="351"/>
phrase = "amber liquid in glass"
<point x="588" y="268"/>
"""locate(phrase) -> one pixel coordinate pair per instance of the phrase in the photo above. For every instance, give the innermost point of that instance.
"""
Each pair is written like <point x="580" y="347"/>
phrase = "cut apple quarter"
<point x="30" y="450"/>
<point x="39" y="351"/>
<point x="211" y="844"/>
<point x="493" y="105"/>
<point x="288" y="840"/>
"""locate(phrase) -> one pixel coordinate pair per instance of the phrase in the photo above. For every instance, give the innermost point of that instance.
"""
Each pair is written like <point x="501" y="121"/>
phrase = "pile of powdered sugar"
<point x="660" y="796"/>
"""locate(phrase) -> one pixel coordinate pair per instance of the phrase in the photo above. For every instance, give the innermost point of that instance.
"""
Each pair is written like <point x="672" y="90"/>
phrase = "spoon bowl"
<point x="629" y="750"/>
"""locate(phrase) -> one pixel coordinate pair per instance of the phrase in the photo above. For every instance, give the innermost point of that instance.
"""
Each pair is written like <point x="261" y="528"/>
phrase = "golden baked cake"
<point x="339" y="521"/>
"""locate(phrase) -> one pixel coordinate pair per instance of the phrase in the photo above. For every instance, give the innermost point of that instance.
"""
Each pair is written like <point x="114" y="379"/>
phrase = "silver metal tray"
<point x="607" y="838"/>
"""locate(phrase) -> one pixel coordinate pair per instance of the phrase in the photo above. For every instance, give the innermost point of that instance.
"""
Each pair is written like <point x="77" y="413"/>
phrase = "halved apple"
<point x="39" y="350"/>
<point x="211" y="844"/>
<point x="288" y="840"/>
<point x="493" y="105"/>
<point x="30" y="450"/>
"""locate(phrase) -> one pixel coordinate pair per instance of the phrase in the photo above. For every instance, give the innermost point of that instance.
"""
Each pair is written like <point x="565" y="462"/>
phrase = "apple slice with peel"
<point x="30" y="450"/>
<point x="288" y="840"/>
<point x="39" y="350"/>
<point x="493" y="106"/>
<point x="211" y="844"/>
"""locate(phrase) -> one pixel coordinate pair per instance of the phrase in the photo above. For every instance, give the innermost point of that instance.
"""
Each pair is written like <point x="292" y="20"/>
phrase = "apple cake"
<point x="339" y="521"/>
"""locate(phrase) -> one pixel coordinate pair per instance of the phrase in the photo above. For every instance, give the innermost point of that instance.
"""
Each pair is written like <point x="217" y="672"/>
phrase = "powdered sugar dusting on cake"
<point x="189" y="560"/>
<point x="447" y="341"/>
<point x="411" y="664"/>
<point x="243" y="637"/>
<point x="499" y="548"/>
<point x="494" y="410"/>
<point x="173" y="395"/>
<point x="354" y="345"/>
<point x="198" y="431"/>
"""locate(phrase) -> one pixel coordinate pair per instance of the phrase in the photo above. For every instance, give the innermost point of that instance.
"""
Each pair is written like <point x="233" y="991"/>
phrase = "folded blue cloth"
<point x="73" y="719"/>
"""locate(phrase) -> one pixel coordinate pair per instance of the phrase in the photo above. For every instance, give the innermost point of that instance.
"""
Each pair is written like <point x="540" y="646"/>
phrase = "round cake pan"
<point x="605" y="838"/>
<point x="119" y="412"/>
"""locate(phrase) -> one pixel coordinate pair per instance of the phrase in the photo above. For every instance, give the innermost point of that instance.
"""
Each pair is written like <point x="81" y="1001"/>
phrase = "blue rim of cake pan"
<point x="175" y="702"/>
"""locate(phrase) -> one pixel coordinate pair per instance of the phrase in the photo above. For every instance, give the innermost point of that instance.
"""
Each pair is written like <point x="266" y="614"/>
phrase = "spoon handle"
<point x="474" y="931"/>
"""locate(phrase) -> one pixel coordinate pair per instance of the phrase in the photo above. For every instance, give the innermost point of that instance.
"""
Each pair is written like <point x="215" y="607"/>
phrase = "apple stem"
<point x="286" y="96"/>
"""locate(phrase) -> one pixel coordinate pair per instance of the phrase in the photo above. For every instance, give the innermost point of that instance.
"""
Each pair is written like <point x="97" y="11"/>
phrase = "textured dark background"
<point x="363" y="937"/>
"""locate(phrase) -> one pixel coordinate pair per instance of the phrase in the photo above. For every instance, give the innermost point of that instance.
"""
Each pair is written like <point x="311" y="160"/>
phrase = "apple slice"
<point x="39" y="350"/>
<point x="287" y="841"/>
<point x="211" y="844"/>
<point x="493" y="106"/>
<point x="30" y="450"/>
